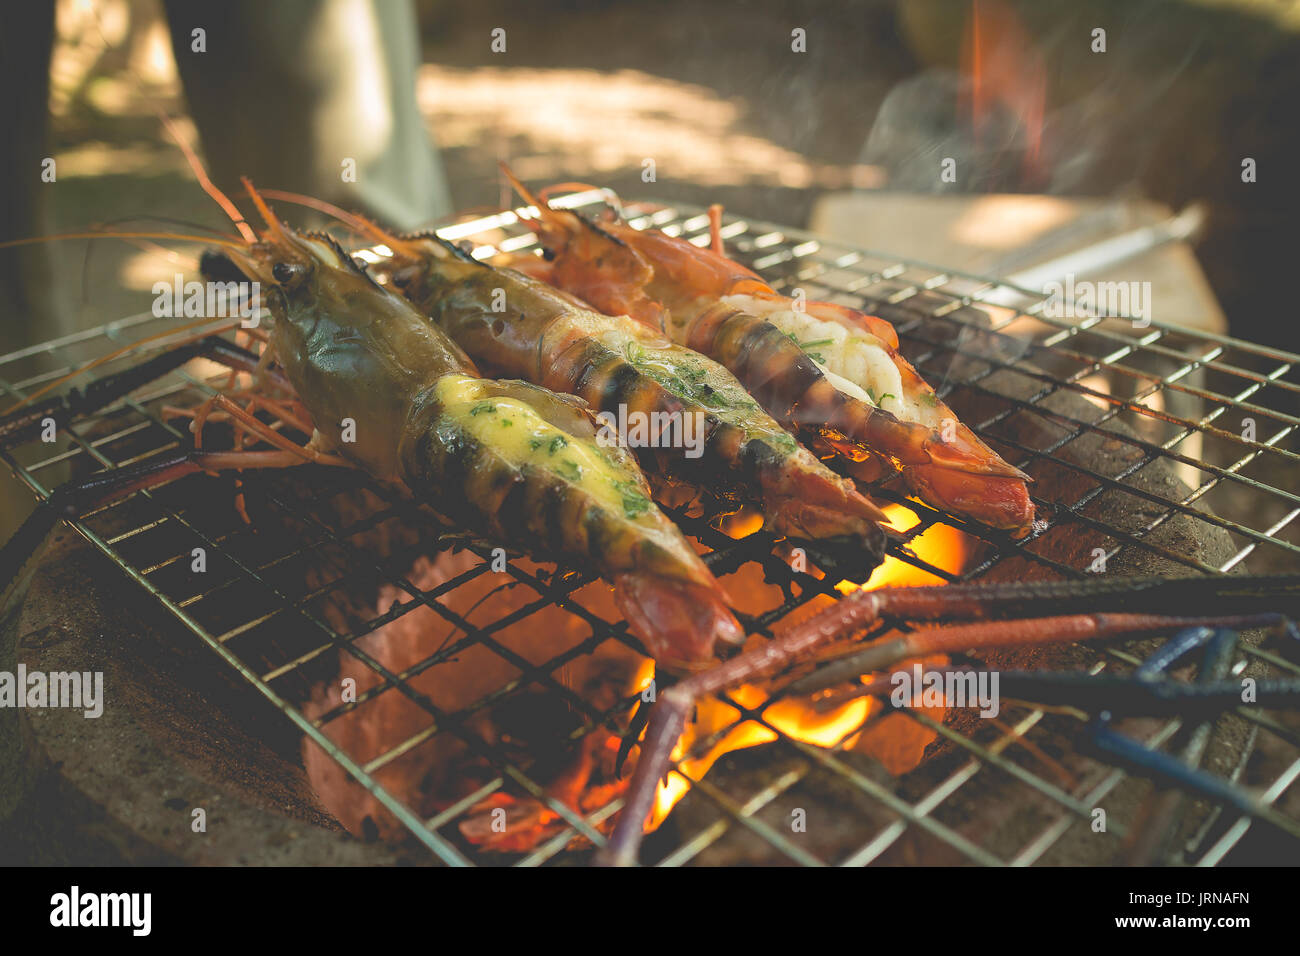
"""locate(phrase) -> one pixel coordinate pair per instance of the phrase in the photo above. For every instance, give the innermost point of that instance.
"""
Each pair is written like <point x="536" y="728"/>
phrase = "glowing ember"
<point x="579" y="772"/>
<point x="1006" y="70"/>
<point x="894" y="739"/>
<point x="440" y="770"/>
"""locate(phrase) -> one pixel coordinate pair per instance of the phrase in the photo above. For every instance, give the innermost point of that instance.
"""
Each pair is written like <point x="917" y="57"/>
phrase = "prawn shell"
<point x="608" y="266"/>
<point x="744" y="453"/>
<point x="396" y="395"/>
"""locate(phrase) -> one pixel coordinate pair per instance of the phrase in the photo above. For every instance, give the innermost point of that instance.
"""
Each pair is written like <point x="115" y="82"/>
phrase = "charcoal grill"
<point x="1164" y="460"/>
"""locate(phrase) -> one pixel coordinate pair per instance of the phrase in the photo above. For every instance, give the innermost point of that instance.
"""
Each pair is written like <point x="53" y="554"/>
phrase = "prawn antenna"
<point x="353" y="221"/>
<point x="209" y="187"/>
<point x="400" y="245"/>
<point x="523" y="190"/>
<point x="108" y="234"/>
<point x="715" y="229"/>
<point x="548" y="214"/>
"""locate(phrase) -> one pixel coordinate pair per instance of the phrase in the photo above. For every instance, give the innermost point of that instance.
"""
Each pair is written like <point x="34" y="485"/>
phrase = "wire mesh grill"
<point x="333" y="562"/>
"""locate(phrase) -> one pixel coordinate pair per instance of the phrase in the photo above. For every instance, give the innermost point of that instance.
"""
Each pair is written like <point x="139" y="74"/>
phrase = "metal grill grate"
<point x="1219" y="412"/>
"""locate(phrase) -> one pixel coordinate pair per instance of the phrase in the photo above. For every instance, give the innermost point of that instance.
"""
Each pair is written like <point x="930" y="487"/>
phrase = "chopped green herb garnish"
<point x="784" y="442"/>
<point x="569" y="469"/>
<point x="536" y="443"/>
<point x="634" y="503"/>
<point x="482" y="407"/>
<point x="558" y="442"/>
<point x="505" y="422"/>
<point x="813" y="344"/>
<point x="817" y="357"/>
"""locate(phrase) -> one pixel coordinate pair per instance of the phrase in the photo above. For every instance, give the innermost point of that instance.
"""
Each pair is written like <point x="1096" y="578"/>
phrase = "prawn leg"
<point x="75" y="498"/>
<point x="25" y="422"/>
<point x="1236" y="601"/>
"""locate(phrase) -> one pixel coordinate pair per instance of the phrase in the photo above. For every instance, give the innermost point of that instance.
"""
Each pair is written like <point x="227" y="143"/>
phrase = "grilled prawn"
<point x="509" y="458"/>
<point x="830" y="372"/>
<point x="390" y="393"/>
<point x="623" y="368"/>
<point x="423" y="418"/>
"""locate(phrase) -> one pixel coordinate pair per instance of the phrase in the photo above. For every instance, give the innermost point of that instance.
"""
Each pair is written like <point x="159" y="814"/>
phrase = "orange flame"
<point x="1005" y="67"/>
<point x="893" y="739"/>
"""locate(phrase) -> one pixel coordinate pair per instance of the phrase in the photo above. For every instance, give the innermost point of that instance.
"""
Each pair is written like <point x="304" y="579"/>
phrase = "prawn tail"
<point x="963" y="451"/>
<point x="836" y="525"/>
<point x="680" y="621"/>
<point x="998" y="501"/>
<point x="948" y="466"/>
<point x="955" y="472"/>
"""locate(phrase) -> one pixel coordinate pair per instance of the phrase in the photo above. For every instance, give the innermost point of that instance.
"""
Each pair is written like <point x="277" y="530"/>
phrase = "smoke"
<point x="1054" y="107"/>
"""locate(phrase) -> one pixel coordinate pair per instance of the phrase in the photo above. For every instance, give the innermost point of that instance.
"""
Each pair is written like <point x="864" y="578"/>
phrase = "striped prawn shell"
<point x="515" y="500"/>
<point x="732" y="459"/>
<point x="746" y="455"/>
<point x="790" y="385"/>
